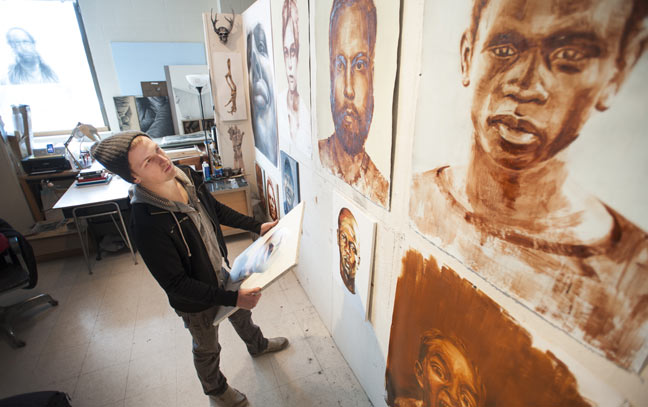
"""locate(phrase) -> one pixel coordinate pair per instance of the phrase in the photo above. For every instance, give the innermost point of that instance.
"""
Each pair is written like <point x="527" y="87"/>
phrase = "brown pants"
<point x="206" y="349"/>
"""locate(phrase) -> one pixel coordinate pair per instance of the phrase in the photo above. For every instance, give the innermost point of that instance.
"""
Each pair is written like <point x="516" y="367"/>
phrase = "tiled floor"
<point x="115" y="341"/>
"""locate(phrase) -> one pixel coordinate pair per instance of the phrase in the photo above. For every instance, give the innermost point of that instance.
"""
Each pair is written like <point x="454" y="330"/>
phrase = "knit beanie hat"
<point x="112" y="153"/>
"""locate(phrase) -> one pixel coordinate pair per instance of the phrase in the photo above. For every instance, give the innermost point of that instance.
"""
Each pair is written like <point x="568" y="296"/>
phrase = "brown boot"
<point x="230" y="398"/>
<point x="274" y="345"/>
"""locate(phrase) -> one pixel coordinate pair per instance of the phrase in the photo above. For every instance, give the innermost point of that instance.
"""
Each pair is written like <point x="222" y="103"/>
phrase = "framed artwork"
<point x="356" y="52"/>
<point x="289" y="182"/>
<point x="190" y="126"/>
<point x="290" y="29"/>
<point x="256" y="20"/>
<point x="228" y="81"/>
<point x="260" y="181"/>
<point x="354" y="233"/>
<point x="154" y="114"/>
<point x="272" y="197"/>
<point x="185" y="102"/>
<point x="126" y="112"/>
<point x="451" y="344"/>
<point x="518" y="178"/>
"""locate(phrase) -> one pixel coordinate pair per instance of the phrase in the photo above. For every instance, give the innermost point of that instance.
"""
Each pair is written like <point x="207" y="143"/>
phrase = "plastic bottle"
<point x="205" y="170"/>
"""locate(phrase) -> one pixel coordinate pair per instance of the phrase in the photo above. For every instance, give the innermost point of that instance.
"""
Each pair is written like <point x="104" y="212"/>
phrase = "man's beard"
<point x="352" y="136"/>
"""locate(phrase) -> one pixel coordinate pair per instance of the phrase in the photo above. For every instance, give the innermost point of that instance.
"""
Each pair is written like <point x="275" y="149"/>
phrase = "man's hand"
<point x="267" y="226"/>
<point x="248" y="298"/>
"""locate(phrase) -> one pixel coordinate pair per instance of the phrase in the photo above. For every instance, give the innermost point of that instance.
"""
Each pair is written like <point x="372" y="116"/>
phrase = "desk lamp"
<point x="199" y="81"/>
<point x="80" y="131"/>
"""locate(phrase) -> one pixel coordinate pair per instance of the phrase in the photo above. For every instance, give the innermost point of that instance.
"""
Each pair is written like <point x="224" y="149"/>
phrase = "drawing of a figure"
<point x="352" y="38"/>
<point x="28" y="66"/>
<point x="236" y="136"/>
<point x="126" y="113"/>
<point x="232" y="86"/>
<point x="273" y="208"/>
<point x="538" y="70"/>
<point x="349" y="248"/>
<point x="452" y="345"/>
<point x="262" y="92"/>
<point x="258" y="258"/>
<point x="297" y="121"/>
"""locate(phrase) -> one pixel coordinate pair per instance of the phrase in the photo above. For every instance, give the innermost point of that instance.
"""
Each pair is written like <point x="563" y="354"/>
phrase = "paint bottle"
<point x="205" y="170"/>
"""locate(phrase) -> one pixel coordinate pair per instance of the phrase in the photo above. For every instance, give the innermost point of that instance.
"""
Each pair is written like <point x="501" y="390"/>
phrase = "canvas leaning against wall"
<point x="529" y="159"/>
<point x="185" y="104"/>
<point x="356" y="52"/>
<point x="354" y="234"/>
<point x="256" y="20"/>
<point x="154" y="114"/>
<point x="228" y="79"/>
<point x="451" y="345"/>
<point x="290" y="29"/>
<point x="126" y="113"/>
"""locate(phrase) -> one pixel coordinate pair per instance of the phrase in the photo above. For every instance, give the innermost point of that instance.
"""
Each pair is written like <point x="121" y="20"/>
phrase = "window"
<point x="45" y="63"/>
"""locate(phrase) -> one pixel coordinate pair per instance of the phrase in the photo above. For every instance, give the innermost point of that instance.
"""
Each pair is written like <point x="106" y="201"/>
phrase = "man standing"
<point x="352" y="38"/>
<point x="28" y="66"/>
<point x="176" y="227"/>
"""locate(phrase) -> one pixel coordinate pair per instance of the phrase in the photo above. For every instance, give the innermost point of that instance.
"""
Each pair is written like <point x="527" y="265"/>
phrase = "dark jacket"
<point x="178" y="260"/>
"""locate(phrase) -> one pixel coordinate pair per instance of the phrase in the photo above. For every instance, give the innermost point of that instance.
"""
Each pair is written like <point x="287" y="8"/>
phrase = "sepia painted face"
<point x="348" y="247"/>
<point x="290" y="53"/>
<point x="272" y="203"/>
<point x="351" y="69"/>
<point x="446" y="377"/>
<point x="538" y="70"/>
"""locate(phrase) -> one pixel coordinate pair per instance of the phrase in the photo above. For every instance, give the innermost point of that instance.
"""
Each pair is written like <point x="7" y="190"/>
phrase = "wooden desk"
<point x="236" y="196"/>
<point x="30" y="185"/>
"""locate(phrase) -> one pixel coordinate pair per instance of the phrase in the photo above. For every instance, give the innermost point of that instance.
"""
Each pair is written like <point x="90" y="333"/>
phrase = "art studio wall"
<point x="597" y="379"/>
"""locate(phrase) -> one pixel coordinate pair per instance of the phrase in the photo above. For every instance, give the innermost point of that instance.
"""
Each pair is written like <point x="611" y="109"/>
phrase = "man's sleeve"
<point x="163" y="261"/>
<point x="229" y="217"/>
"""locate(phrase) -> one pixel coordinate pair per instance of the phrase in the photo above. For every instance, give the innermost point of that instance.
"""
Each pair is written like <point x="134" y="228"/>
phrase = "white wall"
<point x="13" y="205"/>
<point x="365" y="344"/>
<point x="136" y="21"/>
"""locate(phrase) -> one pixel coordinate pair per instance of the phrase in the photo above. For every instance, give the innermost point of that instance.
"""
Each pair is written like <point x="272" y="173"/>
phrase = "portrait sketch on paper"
<point x="154" y="114"/>
<point x="272" y="196"/>
<point x="261" y="77"/>
<point x="355" y="236"/>
<point x="360" y="48"/>
<point x="28" y="66"/>
<point x="126" y="113"/>
<point x="535" y="75"/>
<point x="290" y="182"/>
<point x="290" y="24"/>
<point x="452" y="345"/>
<point x="259" y="256"/>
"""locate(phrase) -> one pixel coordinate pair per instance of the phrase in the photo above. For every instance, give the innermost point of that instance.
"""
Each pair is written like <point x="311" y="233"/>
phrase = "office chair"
<point x="17" y="270"/>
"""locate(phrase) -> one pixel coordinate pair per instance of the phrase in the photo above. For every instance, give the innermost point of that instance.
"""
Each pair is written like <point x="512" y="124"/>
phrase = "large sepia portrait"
<point x="256" y="20"/>
<point x="532" y="174"/>
<point x="356" y="67"/>
<point x="452" y="345"/>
